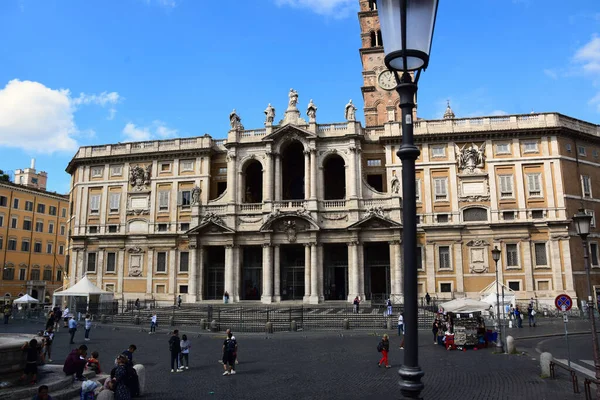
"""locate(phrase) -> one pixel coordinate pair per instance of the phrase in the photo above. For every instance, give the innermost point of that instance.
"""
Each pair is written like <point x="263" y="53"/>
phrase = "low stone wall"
<point x="12" y="358"/>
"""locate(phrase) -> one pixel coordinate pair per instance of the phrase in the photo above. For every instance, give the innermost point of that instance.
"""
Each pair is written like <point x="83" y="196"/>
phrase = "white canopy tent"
<point x="488" y="295"/>
<point x="465" y="306"/>
<point x="84" y="288"/>
<point x="27" y="299"/>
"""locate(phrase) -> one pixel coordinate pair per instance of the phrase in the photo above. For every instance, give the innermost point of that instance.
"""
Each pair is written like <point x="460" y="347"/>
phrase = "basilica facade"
<point x="306" y="211"/>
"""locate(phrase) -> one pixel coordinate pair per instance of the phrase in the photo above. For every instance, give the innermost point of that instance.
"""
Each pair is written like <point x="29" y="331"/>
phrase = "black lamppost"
<point x="583" y="222"/>
<point x="496" y="257"/>
<point x="407" y="32"/>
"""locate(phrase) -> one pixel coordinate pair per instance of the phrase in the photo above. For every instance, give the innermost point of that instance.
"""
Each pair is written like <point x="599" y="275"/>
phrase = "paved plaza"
<point x="312" y="365"/>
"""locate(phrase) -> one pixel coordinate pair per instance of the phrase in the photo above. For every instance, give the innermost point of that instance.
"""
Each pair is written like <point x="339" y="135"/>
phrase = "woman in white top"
<point x="153" y="324"/>
<point x="185" y="352"/>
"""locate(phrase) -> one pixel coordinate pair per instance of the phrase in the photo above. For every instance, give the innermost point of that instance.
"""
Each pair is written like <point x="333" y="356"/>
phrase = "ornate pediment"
<point x="298" y="221"/>
<point x="210" y="223"/>
<point x="290" y="132"/>
<point x="375" y="220"/>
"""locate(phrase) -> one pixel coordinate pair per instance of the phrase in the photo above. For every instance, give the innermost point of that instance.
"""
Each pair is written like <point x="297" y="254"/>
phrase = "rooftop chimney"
<point x="32" y="163"/>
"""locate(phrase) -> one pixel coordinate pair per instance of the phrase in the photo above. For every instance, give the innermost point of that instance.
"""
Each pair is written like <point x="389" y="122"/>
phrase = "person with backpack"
<point x="384" y="347"/>
<point x="229" y="351"/>
<point x="175" y="349"/>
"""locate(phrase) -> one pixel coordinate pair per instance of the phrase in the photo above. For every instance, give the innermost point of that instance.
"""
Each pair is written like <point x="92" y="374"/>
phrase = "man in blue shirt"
<point x="72" y="328"/>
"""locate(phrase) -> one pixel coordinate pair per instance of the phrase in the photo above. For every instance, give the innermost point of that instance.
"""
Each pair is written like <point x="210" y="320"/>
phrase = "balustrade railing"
<point x="250" y="207"/>
<point x="333" y="204"/>
<point x="290" y="204"/>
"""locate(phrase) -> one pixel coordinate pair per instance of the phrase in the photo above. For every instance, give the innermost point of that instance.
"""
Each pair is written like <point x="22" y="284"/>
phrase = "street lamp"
<point x="583" y="222"/>
<point x="496" y="257"/>
<point x="407" y="32"/>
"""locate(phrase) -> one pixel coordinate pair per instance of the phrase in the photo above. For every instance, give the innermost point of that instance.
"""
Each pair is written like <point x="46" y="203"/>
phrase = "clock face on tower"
<point x="387" y="80"/>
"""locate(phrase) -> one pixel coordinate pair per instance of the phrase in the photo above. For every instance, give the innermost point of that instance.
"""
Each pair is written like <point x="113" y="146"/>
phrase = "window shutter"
<point x="179" y="197"/>
<point x="163" y="199"/>
<point x="115" y="199"/>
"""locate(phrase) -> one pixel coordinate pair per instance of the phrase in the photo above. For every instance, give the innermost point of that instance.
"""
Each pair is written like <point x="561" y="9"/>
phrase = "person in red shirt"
<point x="93" y="363"/>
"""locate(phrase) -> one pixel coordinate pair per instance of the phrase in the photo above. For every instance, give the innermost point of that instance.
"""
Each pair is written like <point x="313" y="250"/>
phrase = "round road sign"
<point x="563" y="302"/>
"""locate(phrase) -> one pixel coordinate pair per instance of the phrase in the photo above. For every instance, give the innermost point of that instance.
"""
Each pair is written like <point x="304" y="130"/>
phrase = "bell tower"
<point x="380" y="98"/>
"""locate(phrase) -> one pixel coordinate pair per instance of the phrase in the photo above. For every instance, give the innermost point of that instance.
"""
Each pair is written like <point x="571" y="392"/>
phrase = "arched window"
<point x="379" y="39"/>
<point x="253" y="176"/>
<point x="372" y="5"/>
<point x="373" y="39"/>
<point x="292" y="174"/>
<point x="475" y="214"/>
<point x="334" y="178"/>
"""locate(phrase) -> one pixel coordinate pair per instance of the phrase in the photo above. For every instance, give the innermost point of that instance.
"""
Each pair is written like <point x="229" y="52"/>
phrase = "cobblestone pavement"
<point x="313" y="365"/>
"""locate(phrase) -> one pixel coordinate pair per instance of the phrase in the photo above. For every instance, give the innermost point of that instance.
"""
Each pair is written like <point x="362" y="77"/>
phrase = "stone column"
<point x="267" y="275"/>
<point x="360" y="257"/>
<point x="393" y="275"/>
<point x="149" y="272"/>
<point x="277" y="177"/>
<point x="352" y="173"/>
<point x="352" y="271"/>
<point x="200" y="276"/>
<point x="268" y="174"/>
<point x="229" y="283"/>
<point x="276" y="274"/>
<point x="320" y="269"/>
<point x="192" y="274"/>
<point x="307" y="177"/>
<point x="314" y="275"/>
<point x="237" y="272"/>
<point x="306" y="272"/>
<point x="231" y="177"/>
<point x="399" y="288"/>
<point x="313" y="174"/>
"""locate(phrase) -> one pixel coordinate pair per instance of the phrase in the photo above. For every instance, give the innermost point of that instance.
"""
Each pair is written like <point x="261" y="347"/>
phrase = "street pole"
<point x="410" y="372"/>
<point x="586" y="257"/>
<point x="499" y="346"/>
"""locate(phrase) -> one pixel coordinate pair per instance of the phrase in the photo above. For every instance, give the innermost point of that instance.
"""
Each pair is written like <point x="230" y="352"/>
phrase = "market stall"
<point x="82" y="297"/>
<point x="463" y="325"/>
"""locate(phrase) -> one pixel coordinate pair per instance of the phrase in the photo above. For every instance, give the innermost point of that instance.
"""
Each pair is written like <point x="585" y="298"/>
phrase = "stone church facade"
<point x="311" y="212"/>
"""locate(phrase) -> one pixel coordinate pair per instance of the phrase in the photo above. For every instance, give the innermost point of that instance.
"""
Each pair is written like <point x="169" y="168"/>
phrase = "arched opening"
<point x="334" y="178"/>
<point x="373" y="39"/>
<point x="379" y="39"/>
<point x="292" y="178"/>
<point x="475" y="214"/>
<point x="253" y="182"/>
<point x="372" y="5"/>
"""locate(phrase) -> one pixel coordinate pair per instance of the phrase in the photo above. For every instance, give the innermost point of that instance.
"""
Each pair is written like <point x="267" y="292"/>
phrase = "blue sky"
<point x="77" y="72"/>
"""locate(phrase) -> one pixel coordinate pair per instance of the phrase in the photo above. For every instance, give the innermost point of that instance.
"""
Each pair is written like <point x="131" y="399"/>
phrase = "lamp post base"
<point x="410" y="381"/>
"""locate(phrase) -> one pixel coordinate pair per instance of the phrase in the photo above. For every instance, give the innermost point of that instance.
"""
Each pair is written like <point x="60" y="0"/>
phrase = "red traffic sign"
<point x="563" y="302"/>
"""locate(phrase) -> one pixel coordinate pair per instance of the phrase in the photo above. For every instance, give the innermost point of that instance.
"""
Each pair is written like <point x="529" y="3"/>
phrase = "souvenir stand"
<point x="468" y="327"/>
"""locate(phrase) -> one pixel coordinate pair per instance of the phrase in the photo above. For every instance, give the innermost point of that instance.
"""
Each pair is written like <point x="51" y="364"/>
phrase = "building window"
<point x="444" y="257"/>
<point x="41" y="208"/>
<point x="440" y="188"/>
<point x="61" y="249"/>
<point x="475" y="214"/>
<point x="34" y="181"/>
<point x="114" y="201"/>
<point x="94" y="204"/>
<point x="530" y="147"/>
<point x="165" y="167"/>
<point x="116" y="170"/>
<point x="27" y="225"/>
<point x="163" y="227"/>
<point x="418" y="190"/>
<point x="62" y="230"/>
<point x="22" y="274"/>
<point x="595" y="153"/>
<point x="184" y="198"/>
<point x="185" y="226"/>
<point x="446" y="287"/>
<point x="586" y="186"/>
<point x="1" y="220"/>
<point x="183" y="289"/>
<point x="97" y="172"/>
<point x="14" y="221"/>
<point x="515" y="286"/>
<point x="161" y="262"/>
<point x="512" y="255"/>
<point x="506" y="186"/>
<point x="25" y="245"/>
<point x="187" y="165"/>
<point x="540" y="254"/>
<point x="184" y="259"/>
<point x="9" y="274"/>
<point x="568" y="147"/>
<point x="109" y="287"/>
<point x="16" y="204"/>
<point x="113" y="228"/>
<point x="49" y="248"/>
<point x="223" y="171"/>
<point x="419" y="255"/>
<point x="91" y="262"/>
<point x="508" y="215"/>
<point x="163" y="200"/>
<point x="50" y="227"/>
<point x="537" y="214"/>
<point x="438" y="151"/>
<point x="442" y="218"/>
<point x="29" y="206"/>
<point x="3" y="201"/>
<point x="93" y="229"/>
<point x="502" y="148"/>
<point x="581" y="151"/>
<point x="12" y="244"/>
<point x="111" y="262"/>
<point x="37" y="247"/>
<point x="52" y="210"/>
<point x="59" y="275"/>
<point x="64" y="213"/>
<point x="35" y="275"/>
<point x="534" y="185"/>
<point x="594" y="254"/>
<point x="47" y="275"/>
<point x="39" y="226"/>
<point x="376" y="162"/>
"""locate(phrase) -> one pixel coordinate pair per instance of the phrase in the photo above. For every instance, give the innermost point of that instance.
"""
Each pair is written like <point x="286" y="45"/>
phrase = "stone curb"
<point x="552" y="335"/>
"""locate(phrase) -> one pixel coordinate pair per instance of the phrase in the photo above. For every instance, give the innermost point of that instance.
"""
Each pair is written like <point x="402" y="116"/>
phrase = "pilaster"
<point x="307" y="271"/>
<point x="314" y="275"/>
<point x="267" y="274"/>
<point x="430" y="268"/>
<point x="307" y="177"/>
<point x="229" y="283"/>
<point x="200" y="277"/>
<point x="149" y="272"/>
<point x="120" y="270"/>
<point x="276" y="274"/>
<point x="528" y="267"/>
<point x="557" y="283"/>
<point x="193" y="273"/>
<point x="313" y="174"/>
<point x="458" y="267"/>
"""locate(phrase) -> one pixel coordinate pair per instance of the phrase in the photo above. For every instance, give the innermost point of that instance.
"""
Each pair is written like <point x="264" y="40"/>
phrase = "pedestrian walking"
<point x="72" y="324"/>
<point x="389" y="307"/>
<point x="427" y="298"/>
<point x="435" y="328"/>
<point x="185" y="352"/>
<point x="50" y="320"/>
<point x="153" y="323"/>
<point x="356" y="304"/>
<point x="518" y="317"/>
<point x="400" y="324"/>
<point x="7" y="313"/>
<point x="229" y="353"/>
<point x="47" y="339"/>
<point x="137" y="304"/>
<point x="66" y="316"/>
<point x="57" y="317"/>
<point x="179" y="301"/>
<point x="531" y="315"/>
<point x="88" y="326"/>
<point x="384" y="347"/>
<point x="175" y="349"/>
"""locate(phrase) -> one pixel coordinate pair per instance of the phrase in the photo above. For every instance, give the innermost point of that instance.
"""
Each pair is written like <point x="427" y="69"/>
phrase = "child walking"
<point x="185" y="352"/>
<point x="384" y="348"/>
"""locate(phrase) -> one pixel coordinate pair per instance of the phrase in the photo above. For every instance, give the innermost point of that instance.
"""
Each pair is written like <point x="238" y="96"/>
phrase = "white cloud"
<point x="168" y="4"/>
<point x="595" y="101"/>
<point x="111" y="114"/>
<point x="39" y="119"/>
<point x="588" y="56"/>
<point x="158" y="129"/>
<point x="551" y="73"/>
<point x="333" y="8"/>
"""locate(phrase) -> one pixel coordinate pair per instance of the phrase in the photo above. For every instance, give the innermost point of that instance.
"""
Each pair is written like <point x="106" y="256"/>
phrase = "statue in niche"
<point x="270" y="114"/>
<point x="196" y="195"/>
<point x="471" y="158"/>
<point x="140" y="177"/>
<point x="350" y="111"/>
<point x="293" y="95"/>
<point x="311" y="111"/>
<point x="395" y="183"/>
<point x="235" y="121"/>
